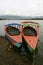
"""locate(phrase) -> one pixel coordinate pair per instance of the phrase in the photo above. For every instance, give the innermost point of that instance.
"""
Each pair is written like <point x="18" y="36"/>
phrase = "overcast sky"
<point x="21" y="7"/>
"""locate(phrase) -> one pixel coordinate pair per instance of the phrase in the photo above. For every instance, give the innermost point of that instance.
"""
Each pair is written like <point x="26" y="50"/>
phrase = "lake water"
<point x="39" y="58"/>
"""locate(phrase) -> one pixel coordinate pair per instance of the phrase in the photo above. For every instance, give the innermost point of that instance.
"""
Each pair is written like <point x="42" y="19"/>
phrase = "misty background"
<point x="20" y="9"/>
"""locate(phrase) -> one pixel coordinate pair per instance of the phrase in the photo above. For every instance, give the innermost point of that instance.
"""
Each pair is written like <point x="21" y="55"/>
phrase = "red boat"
<point x="30" y="34"/>
<point x="13" y="34"/>
<point x="24" y="36"/>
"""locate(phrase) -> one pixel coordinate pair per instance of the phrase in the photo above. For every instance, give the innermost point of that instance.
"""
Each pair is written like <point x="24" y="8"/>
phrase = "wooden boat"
<point x="30" y="35"/>
<point x="13" y="34"/>
<point x="24" y="36"/>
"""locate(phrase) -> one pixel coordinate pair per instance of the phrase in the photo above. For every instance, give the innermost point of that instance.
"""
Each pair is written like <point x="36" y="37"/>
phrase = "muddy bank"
<point x="8" y="56"/>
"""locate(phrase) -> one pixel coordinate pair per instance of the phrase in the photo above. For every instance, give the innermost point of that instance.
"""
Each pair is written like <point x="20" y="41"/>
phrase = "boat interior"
<point x="29" y="31"/>
<point x="12" y="30"/>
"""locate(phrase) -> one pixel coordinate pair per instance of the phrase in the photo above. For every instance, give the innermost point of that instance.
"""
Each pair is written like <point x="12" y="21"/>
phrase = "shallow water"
<point x="39" y="56"/>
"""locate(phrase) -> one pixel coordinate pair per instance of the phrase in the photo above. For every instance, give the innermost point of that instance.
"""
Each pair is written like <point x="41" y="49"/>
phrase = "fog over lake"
<point x="4" y="22"/>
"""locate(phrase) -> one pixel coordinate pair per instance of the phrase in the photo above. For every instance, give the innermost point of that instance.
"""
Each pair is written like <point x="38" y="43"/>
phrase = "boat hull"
<point x="29" y="42"/>
<point x="30" y="38"/>
<point x="13" y="41"/>
<point x="16" y="38"/>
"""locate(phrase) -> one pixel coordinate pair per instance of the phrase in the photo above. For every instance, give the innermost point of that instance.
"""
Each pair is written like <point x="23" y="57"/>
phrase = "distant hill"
<point x="14" y="17"/>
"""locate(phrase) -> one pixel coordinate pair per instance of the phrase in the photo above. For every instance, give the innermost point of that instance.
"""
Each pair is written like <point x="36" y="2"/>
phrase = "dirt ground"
<point x="8" y="56"/>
